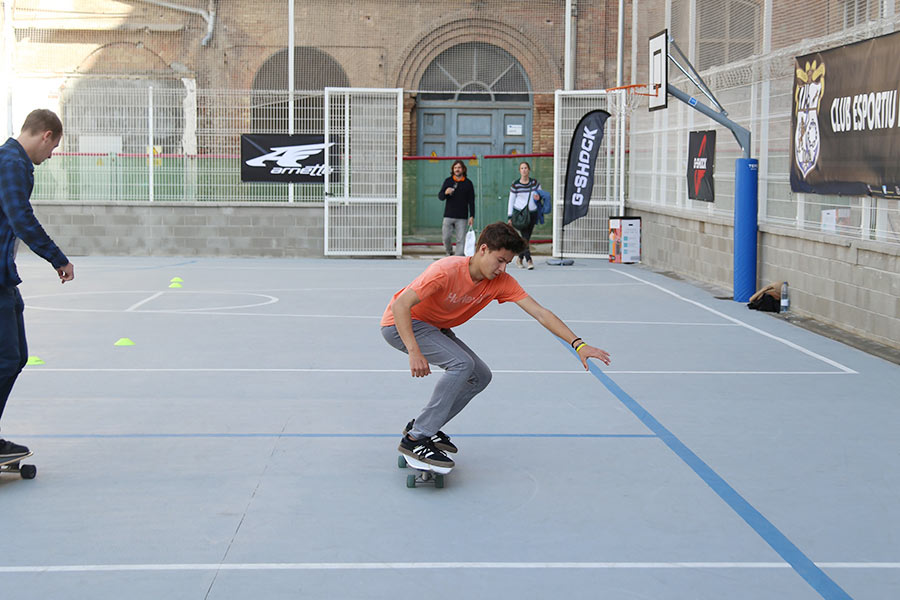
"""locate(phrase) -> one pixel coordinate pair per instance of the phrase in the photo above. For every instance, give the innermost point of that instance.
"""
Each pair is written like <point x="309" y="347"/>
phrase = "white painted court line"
<point x="788" y="343"/>
<point x="266" y="299"/>
<point x="394" y="566"/>
<point x="137" y="305"/>
<point x="225" y="311"/>
<point x="43" y="369"/>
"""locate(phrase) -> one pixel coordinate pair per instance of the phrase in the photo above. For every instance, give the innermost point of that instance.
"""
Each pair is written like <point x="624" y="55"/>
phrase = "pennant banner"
<point x="586" y="142"/>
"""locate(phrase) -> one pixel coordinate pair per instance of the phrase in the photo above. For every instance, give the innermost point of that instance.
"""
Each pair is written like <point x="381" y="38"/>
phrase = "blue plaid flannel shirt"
<point x="17" y="218"/>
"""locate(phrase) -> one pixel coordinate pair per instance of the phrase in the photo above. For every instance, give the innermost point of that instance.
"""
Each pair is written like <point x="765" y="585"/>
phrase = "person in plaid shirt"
<point x="40" y="136"/>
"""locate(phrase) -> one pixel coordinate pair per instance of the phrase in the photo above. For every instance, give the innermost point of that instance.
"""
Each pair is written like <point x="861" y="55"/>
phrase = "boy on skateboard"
<point x="40" y="135"/>
<point x="419" y="318"/>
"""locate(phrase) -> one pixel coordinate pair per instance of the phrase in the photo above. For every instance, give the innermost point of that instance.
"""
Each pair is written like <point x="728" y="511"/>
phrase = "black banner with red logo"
<point x="701" y="166"/>
<point x="845" y="128"/>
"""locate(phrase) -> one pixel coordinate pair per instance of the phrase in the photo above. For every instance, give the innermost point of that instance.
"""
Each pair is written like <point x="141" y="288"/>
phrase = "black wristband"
<point x="572" y="343"/>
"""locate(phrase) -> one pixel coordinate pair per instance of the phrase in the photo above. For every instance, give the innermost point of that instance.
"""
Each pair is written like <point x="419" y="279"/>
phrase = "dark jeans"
<point x="526" y="235"/>
<point x="13" y="348"/>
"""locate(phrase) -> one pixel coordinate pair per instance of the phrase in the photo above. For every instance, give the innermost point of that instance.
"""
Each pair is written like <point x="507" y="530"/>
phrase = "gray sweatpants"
<point x="454" y="230"/>
<point x="465" y="375"/>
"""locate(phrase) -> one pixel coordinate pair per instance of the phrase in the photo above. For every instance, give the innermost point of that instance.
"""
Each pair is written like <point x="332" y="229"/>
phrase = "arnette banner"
<point x="845" y="131"/>
<point x="701" y="165"/>
<point x="283" y="158"/>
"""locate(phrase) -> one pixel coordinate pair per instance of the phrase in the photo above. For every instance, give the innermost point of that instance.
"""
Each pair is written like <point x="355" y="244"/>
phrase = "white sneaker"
<point x="530" y="266"/>
<point x="519" y="262"/>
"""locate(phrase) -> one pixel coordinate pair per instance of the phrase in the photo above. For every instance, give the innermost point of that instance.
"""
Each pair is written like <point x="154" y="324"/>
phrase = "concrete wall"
<point x="851" y="284"/>
<point x="184" y="229"/>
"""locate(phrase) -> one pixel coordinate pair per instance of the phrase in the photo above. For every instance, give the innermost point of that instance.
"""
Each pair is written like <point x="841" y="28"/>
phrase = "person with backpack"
<point x="522" y="212"/>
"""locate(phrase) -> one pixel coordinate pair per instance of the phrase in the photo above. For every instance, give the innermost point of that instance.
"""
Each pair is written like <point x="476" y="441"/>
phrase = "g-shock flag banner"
<point x="284" y="158"/>
<point x="583" y="151"/>
<point x="701" y="165"/>
<point x="845" y="131"/>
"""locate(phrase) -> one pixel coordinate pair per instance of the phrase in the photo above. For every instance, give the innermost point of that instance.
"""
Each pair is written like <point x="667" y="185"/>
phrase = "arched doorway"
<point x="314" y="70"/>
<point x="475" y="98"/>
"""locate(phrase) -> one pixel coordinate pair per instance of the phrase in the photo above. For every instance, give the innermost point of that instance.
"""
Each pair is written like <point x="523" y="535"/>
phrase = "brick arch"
<point x="543" y="73"/>
<point x="124" y="58"/>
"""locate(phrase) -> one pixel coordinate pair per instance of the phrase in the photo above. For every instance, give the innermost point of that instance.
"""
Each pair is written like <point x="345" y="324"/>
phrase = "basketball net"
<point x="630" y="97"/>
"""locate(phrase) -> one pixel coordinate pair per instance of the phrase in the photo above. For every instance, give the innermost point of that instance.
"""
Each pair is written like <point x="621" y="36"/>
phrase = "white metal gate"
<point x="363" y="182"/>
<point x="588" y="237"/>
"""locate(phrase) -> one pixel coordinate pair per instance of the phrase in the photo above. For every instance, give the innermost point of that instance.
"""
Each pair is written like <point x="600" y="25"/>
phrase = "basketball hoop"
<point x="631" y="96"/>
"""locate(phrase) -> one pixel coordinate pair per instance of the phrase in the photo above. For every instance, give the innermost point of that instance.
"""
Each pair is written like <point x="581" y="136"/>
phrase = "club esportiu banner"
<point x="845" y="130"/>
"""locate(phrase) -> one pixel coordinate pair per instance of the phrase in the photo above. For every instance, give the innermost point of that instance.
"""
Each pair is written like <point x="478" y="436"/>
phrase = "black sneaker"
<point x="441" y="440"/>
<point x="424" y="451"/>
<point x="10" y="450"/>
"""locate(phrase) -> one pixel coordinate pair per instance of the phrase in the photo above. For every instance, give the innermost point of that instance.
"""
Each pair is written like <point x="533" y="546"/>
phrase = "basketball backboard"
<point x="658" y="59"/>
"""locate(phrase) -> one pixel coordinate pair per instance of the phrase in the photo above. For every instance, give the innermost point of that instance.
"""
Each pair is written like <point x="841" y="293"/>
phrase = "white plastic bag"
<point x="470" y="242"/>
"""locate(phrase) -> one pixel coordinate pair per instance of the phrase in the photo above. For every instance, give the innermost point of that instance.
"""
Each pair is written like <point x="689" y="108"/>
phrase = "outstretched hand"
<point x="587" y="352"/>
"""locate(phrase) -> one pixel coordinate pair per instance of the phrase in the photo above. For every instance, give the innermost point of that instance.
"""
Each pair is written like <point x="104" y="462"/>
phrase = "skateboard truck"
<point x="424" y="473"/>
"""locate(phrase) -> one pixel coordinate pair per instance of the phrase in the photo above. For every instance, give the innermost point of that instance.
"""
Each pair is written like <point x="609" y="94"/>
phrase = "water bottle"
<point x="785" y="300"/>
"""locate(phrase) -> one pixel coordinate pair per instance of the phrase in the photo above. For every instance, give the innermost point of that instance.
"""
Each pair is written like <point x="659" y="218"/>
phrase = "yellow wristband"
<point x="580" y="346"/>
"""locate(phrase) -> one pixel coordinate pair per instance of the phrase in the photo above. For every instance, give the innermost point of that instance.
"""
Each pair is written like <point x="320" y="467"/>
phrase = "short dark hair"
<point x="502" y="236"/>
<point x="41" y="120"/>
<point x="460" y="163"/>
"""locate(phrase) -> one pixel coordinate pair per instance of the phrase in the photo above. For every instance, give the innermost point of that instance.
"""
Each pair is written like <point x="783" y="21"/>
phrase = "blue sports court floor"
<point x="245" y="445"/>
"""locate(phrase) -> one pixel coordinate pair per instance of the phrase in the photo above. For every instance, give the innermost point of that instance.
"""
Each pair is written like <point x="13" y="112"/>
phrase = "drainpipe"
<point x="208" y="15"/>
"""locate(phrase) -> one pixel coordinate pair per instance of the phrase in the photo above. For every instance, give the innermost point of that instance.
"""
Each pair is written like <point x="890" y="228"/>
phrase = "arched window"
<point x="314" y="70"/>
<point x="475" y="71"/>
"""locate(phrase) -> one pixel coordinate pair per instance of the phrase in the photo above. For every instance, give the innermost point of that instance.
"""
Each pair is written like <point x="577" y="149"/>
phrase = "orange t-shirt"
<point x="449" y="297"/>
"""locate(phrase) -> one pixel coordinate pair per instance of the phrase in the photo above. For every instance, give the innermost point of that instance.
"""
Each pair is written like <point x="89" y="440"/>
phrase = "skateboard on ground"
<point x="13" y="465"/>
<point x="424" y="473"/>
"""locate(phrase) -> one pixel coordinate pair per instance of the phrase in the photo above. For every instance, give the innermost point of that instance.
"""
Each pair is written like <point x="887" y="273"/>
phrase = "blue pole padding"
<point x="746" y="186"/>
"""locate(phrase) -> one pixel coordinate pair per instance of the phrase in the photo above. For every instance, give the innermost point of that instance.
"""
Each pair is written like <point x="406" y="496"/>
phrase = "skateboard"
<point x="12" y="465"/>
<point x="424" y="473"/>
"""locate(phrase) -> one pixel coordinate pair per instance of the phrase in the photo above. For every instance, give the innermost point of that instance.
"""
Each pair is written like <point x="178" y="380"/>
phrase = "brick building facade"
<point x="231" y="45"/>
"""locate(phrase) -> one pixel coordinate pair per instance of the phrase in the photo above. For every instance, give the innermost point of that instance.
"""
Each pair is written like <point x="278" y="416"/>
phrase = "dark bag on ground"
<point x="767" y="299"/>
<point x="521" y="218"/>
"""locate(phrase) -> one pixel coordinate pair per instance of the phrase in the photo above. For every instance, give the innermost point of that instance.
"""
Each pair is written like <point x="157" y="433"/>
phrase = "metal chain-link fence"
<point x="746" y="57"/>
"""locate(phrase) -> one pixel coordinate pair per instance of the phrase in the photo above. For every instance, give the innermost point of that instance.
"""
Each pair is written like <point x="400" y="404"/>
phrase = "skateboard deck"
<point x="13" y="465"/>
<point x="424" y="473"/>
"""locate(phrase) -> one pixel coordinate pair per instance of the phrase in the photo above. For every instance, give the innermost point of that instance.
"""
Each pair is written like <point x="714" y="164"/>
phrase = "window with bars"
<point x="727" y="31"/>
<point x="314" y="70"/>
<point x="859" y="12"/>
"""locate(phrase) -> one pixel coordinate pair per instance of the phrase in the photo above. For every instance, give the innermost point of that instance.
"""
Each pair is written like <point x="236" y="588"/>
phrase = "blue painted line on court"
<point x="77" y="436"/>
<point x="806" y="568"/>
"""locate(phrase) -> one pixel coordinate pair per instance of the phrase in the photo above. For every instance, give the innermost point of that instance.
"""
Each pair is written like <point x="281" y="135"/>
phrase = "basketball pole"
<point x="746" y="190"/>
